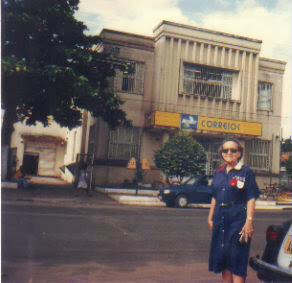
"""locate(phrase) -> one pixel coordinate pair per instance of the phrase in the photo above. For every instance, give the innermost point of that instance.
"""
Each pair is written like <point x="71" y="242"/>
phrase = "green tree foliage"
<point x="286" y="145"/>
<point x="288" y="166"/>
<point x="181" y="156"/>
<point x="50" y="68"/>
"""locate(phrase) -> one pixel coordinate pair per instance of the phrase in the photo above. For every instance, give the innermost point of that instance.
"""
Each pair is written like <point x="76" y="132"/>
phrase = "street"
<point x="113" y="243"/>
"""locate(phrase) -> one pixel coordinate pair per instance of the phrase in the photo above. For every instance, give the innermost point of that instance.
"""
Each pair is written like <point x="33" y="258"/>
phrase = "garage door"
<point x="47" y="157"/>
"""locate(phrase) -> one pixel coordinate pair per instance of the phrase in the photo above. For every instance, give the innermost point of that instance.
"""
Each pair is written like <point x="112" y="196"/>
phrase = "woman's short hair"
<point x="240" y="148"/>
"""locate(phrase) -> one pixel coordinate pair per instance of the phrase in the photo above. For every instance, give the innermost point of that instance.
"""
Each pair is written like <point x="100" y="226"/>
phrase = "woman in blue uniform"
<point x="231" y="214"/>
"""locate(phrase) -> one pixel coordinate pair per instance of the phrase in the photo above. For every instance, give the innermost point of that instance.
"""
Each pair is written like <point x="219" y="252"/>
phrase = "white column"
<point x="222" y="57"/>
<point x="249" y="99"/>
<point x="201" y="59"/>
<point x="215" y="55"/>
<point x="186" y="55"/>
<point x="209" y="55"/>
<point x="255" y="87"/>
<point x="229" y="57"/>
<point x="168" y="75"/>
<point x="243" y="87"/>
<point x="236" y="58"/>
<point x="194" y="51"/>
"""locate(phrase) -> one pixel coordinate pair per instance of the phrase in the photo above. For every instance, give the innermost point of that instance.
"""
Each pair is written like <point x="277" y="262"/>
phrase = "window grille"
<point x="124" y="143"/>
<point x="264" y="96"/>
<point x="206" y="81"/>
<point x="213" y="161"/>
<point x="130" y="83"/>
<point x="258" y="154"/>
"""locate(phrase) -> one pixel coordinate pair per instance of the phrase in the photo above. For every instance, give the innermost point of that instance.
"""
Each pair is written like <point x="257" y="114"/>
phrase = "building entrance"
<point x="30" y="163"/>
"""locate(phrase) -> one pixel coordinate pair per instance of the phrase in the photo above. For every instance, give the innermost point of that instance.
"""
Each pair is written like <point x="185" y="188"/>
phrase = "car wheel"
<point x="181" y="201"/>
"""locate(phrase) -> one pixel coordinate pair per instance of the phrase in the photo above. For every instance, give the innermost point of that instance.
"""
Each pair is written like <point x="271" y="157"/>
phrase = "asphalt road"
<point x="113" y="243"/>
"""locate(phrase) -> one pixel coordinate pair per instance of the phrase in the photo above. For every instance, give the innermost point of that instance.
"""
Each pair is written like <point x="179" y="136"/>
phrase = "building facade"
<point x="43" y="151"/>
<point x="208" y="83"/>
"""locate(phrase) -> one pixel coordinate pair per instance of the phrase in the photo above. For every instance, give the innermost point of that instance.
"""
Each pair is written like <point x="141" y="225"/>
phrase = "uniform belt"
<point x="229" y="204"/>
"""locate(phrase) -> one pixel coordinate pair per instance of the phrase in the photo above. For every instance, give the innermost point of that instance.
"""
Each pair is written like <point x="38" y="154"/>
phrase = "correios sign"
<point x="196" y="122"/>
<point x="229" y="126"/>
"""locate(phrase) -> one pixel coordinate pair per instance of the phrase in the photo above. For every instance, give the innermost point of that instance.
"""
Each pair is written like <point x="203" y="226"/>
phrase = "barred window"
<point x="207" y="81"/>
<point x="130" y="83"/>
<point x="264" y="96"/>
<point x="213" y="161"/>
<point x="258" y="154"/>
<point x="124" y="143"/>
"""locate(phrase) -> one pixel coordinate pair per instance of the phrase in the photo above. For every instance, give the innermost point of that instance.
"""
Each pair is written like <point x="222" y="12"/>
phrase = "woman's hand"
<point x="210" y="224"/>
<point x="248" y="230"/>
<point x="248" y="226"/>
<point x="211" y="213"/>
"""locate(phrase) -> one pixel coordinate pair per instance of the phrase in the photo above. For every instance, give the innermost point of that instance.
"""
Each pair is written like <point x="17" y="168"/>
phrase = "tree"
<point x="50" y="68"/>
<point x="181" y="156"/>
<point x="286" y="145"/>
<point x="288" y="166"/>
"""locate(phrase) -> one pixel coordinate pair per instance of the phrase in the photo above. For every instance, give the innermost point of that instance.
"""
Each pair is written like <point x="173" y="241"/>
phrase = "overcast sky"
<point x="267" y="20"/>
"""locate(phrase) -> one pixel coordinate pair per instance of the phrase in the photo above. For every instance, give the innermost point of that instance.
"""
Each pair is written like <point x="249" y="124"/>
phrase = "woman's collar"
<point x="238" y="166"/>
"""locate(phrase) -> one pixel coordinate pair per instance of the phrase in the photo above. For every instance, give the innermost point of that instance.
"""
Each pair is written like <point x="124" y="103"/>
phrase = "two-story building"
<point x="209" y="83"/>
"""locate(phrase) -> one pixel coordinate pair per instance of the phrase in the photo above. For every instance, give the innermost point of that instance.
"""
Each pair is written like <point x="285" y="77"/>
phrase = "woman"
<point x="19" y="177"/>
<point x="231" y="214"/>
<point x="82" y="182"/>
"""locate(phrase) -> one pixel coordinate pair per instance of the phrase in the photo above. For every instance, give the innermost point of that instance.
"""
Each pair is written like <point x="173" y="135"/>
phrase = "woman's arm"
<point x="211" y="213"/>
<point x="248" y="226"/>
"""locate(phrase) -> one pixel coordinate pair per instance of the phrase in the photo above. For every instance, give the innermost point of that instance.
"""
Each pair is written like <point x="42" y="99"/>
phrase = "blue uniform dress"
<point x="231" y="191"/>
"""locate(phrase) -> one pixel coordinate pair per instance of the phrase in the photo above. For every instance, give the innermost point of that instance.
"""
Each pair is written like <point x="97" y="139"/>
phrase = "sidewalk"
<point x="146" y="197"/>
<point x="56" y="192"/>
<point x="47" y="191"/>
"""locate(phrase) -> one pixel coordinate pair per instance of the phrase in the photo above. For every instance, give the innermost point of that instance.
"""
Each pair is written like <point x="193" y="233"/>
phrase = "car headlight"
<point x="166" y="192"/>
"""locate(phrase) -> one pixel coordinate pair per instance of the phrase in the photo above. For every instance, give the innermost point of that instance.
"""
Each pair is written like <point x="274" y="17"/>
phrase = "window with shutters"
<point x="124" y="143"/>
<point x="258" y="154"/>
<point x="264" y="96"/>
<point x="207" y="81"/>
<point x="130" y="83"/>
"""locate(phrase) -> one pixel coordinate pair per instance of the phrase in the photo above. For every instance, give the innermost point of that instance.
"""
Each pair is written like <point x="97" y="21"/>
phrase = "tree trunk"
<point x="9" y="119"/>
<point x="7" y="129"/>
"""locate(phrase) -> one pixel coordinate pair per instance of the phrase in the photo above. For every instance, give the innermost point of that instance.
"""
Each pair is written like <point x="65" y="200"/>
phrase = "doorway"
<point x="31" y="163"/>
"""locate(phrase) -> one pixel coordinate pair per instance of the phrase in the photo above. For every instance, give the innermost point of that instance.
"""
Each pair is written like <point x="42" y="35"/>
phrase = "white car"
<point x="276" y="262"/>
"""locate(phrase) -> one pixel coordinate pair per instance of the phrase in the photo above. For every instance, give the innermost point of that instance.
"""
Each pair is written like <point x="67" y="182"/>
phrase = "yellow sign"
<point x="132" y="163"/>
<point x="145" y="164"/>
<point x="229" y="126"/>
<point x="166" y="119"/>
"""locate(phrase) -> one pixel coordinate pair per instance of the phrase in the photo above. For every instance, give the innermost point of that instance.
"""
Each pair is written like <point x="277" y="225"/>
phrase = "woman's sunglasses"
<point x="232" y="150"/>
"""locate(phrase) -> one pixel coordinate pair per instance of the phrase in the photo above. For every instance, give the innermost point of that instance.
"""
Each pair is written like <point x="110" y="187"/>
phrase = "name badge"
<point x="240" y="184"/>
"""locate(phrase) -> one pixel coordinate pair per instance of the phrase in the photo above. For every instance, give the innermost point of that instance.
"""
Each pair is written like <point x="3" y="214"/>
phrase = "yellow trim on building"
<point x="167" y="119"/>
<point x="229" y="126"/>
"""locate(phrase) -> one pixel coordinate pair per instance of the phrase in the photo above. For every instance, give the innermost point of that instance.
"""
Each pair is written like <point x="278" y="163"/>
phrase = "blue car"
<point x="182" y="195"/>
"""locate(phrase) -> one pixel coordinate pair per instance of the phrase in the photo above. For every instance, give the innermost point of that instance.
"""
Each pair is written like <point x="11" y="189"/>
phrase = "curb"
<point x="9" y="185"/>
<point x="149" y="198"/>
<point x="137" y="200"/>
<point x="136" y="192"/>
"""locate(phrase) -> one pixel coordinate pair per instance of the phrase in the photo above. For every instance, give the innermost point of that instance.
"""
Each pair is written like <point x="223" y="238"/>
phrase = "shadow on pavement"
<point x="52" y="190"/>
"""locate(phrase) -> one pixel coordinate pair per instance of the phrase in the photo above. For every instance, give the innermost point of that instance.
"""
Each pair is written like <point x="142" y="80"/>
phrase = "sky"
<point x="267" y="20"/>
